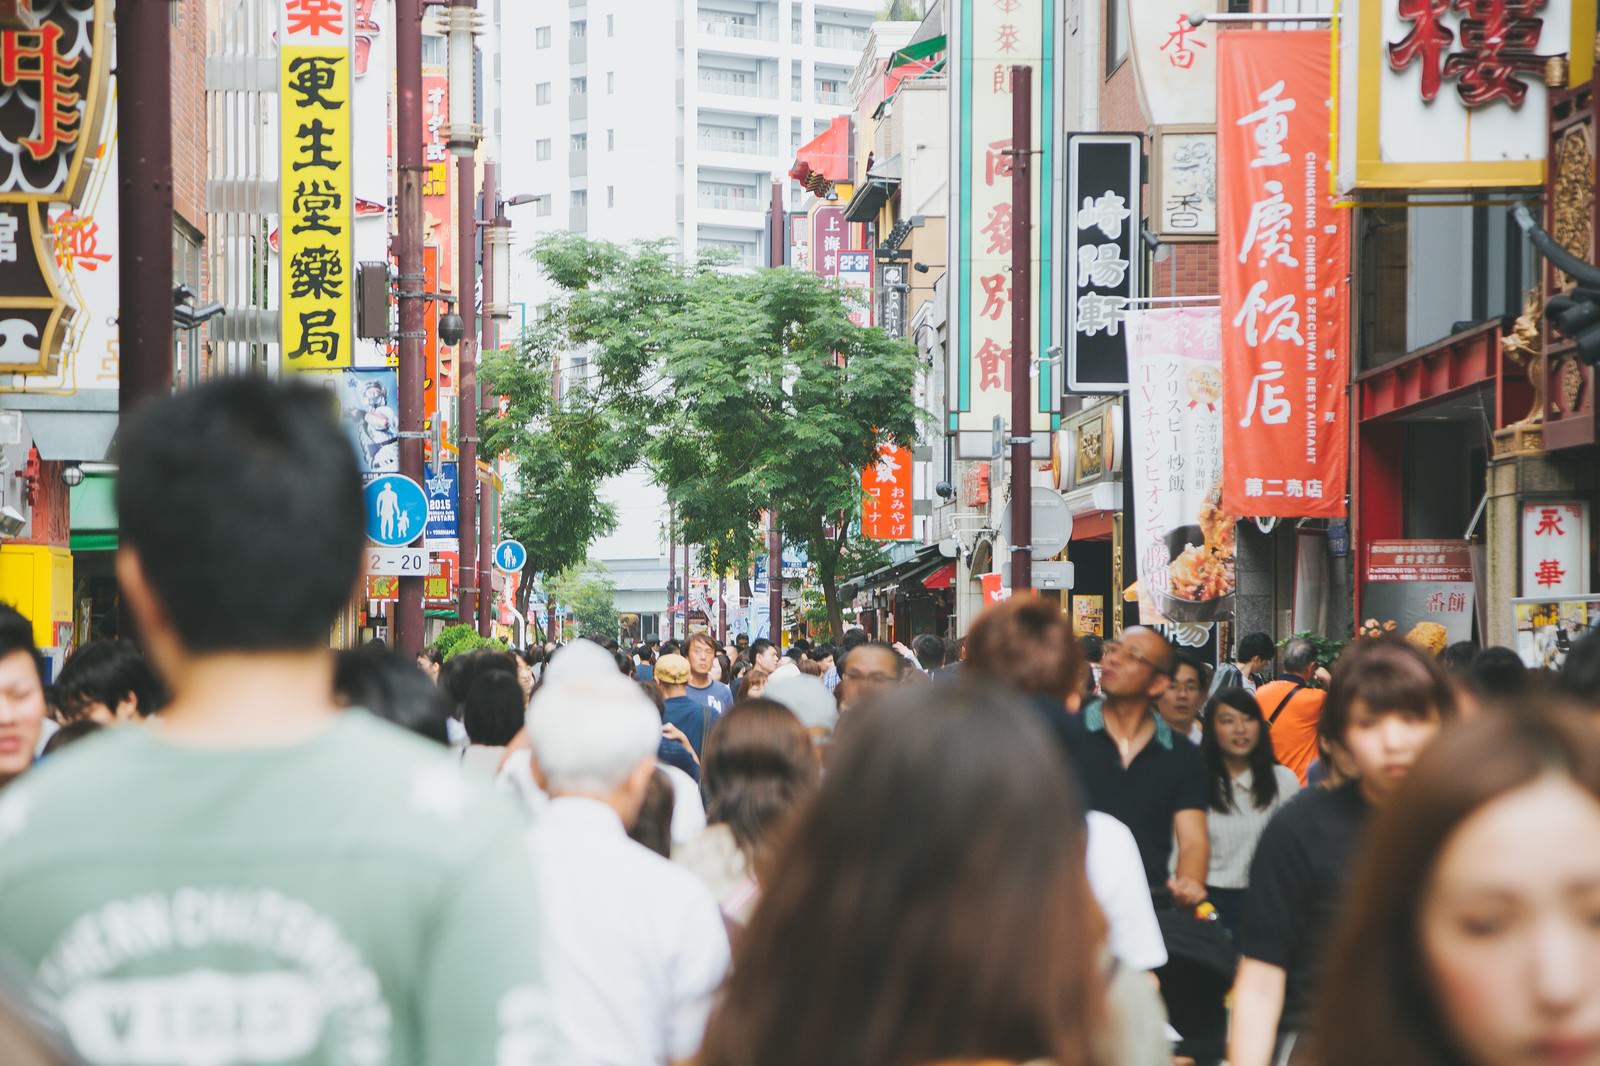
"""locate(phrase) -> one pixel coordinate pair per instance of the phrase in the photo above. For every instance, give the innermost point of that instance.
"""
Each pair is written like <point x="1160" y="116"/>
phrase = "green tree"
<point x="591" y="598"/>
<point x="781" y="401"/>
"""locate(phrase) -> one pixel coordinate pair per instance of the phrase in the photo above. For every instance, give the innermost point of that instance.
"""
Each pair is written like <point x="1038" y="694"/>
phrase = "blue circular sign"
<point x="397" y="510"/>
<point x="510" y="556"/>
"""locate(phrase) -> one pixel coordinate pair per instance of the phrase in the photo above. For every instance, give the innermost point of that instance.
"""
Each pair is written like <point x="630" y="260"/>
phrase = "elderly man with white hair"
<point x="633" y="947"/>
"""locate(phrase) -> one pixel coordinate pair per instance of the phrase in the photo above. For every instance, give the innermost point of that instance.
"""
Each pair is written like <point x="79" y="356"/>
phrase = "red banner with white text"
<point x="1284" y="253"/>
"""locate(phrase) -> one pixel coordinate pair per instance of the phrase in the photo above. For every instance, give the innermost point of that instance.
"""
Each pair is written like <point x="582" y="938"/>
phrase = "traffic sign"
<point x="397" y="510"/>
<point x="398" y="562"/>
<point x="510" y="556"/>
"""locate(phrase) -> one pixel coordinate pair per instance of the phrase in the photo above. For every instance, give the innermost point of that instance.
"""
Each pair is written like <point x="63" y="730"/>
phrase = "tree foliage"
<point x="590" y="596"/>
<point x="744" y="392"/>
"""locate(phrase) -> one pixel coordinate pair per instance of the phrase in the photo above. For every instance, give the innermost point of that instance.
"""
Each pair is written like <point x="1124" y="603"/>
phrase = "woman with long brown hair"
<point x="931" y="906"/>
<point x="1473" y="932"/>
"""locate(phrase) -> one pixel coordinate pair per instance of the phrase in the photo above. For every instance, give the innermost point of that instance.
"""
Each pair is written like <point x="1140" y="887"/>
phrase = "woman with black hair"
<point x="1245" y="787"/>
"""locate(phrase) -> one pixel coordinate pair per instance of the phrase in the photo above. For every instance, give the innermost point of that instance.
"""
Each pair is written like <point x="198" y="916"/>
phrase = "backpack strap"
<point x="1273" y="717"/>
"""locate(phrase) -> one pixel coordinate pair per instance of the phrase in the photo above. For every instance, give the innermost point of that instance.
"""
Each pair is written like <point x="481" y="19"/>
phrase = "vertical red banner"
<point x="886" y="495"/>
<point x="1284" y="253"/>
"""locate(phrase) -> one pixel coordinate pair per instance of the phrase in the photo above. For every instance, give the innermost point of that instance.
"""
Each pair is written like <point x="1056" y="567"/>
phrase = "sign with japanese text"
<point x="886" y="495"/>
<point x="1284" y="274"/>
<point x="442" y="532"/>
<point x="1547" y="628"/>
<point x="1555" y="548"/>
<point x="1103" y="254"/>
<point x="438" y="184"/>
<point x="33" y="313"/>
<point x="444" y="571"/>
<point x="1451" y="93"/>
<point x="1183" y="184"/>
<point x="994" y="589"/>
<point x="1174" y="63"/>
<point x="855" y="274"/>
<point x="892" y="289"/>
<point x="1420" y="590"/>
<point x="1183" y="537"/>
<point x="53" y="90"/>
<point x="799" y="243"/>
<point x="987" y="38"/>
<point x="316" y="185"/>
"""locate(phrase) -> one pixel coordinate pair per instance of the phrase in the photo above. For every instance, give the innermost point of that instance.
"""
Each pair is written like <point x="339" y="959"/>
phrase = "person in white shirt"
<point x="633" y="947"/>
<point x="1117" y="881"/>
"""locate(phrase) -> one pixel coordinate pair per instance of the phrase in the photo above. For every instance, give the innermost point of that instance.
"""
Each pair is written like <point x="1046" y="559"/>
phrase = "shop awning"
<point x="927" y="41"/>
<point x="870" y="198"/>
<point x="910" y="571"/>
<point x="942" y="578"/>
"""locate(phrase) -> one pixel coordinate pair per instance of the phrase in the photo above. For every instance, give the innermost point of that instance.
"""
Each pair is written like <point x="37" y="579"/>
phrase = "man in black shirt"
<point x="1387" y="701"/>
<point x="1135" y="768"/>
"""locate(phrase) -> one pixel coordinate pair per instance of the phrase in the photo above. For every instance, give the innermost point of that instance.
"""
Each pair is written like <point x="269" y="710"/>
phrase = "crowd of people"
<point x="1021" y="847"/>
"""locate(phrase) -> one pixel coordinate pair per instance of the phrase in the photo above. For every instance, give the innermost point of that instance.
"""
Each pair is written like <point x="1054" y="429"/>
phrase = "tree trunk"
<point x="826" y="551"/>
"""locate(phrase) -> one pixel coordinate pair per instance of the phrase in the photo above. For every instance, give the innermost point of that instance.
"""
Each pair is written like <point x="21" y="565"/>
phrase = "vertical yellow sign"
<point x="317" y="261"/>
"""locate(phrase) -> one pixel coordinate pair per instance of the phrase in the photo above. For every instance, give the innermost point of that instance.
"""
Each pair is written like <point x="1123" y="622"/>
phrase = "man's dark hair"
<point x="456" y="679"/>
<point x="242" y="501"/>
<point x="494" y="710"/>
<point x="670" y="647"/>
<point x="382" y="682"/>
<point x="900" y="663"/>
<point x="1299" y="657"/>
<point x="1255" y="646"/>
<point x="759" y="646"/>
<point x="929" y="651"/>
<point x="651" y="640"/>
<point x="1202" y="669"/>
<point x="1094" y="648"/>
<point x="70" y="734"/>
<point x="803" y="644"/>
<point x="1499" y="673"/>
<point x="624" y="663"/>
<point x="107" y="672"/>
<point x="16" y="634"/>
<point x="1457" y="658"/>
<point x="822" y="651"/>
<point x="854" y="638"/>
<point x="646" y="656"/>
<point x="700" y="638"/>
<point x="741" y="638"/>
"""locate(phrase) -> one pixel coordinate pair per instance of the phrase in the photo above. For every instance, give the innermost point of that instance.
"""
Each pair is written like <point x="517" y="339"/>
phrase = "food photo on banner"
<point x="1283" y="254"/>
<point x="1547" y="628"/>
<point x="1419" y="590"/>
<point x="1184" y="539"/>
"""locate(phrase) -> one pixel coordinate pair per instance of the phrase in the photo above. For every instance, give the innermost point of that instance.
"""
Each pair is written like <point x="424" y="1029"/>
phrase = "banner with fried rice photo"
<point x="1184" y="541"/>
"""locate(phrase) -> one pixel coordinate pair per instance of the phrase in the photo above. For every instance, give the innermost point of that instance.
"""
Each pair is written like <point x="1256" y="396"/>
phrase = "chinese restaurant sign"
<point x="1102" y="257"/>
<point x="53" y="90"/>
<point x="1184" y="540"/>
<point x="1174" y="63"/>
<point x="987" y="38"/>
<point x="829" y="232"/>
<point x="1420" y="590"/>
<point x="1284" y="265"/>
<point x="1451" y="93"/>
<point x="886" y="495"/>
<point x="316" y="185"/>
<point x="1555" y="548"/>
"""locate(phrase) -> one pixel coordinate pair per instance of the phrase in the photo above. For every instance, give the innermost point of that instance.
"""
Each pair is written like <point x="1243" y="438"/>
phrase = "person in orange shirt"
<point x="1293" y="708"/>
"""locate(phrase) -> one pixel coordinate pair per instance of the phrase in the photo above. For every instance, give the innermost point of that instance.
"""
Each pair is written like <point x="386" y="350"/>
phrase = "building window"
<point x="611" y="140"/>
<point x="541" y="37"/>
<point x="541" y="149"/>
<point x="580" y="86"/>
<point x="611" y="81"/>
<point x="611" y="25"/>
<point x="580" y="142"/>
<point x="580" y="197"/>
<point x="611" y="196"/>
<point x="580" y="28"/>
<point x="541" y="93"/>
<point x="1116" y="34"/>
<point x="541" y="205"/>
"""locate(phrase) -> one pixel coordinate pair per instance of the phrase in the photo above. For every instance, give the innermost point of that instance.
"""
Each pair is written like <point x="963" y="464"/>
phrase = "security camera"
<point x="72" y="475"/>
<point x="11" y="521"/>
<point x="451" y="329"/>
<point x="945" y="490"/>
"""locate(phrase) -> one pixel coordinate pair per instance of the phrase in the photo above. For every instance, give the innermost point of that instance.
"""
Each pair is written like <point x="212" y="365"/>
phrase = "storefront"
<point x="1088" y="472"/>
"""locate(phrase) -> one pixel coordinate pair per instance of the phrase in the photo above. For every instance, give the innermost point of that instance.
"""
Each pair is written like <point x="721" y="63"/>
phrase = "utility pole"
<point x="686" y="588"/>
<point x="463" y="142"/>
<point x="144" y="182"/>
<point x="408" y="622"/>
<point x="722" y="610"/>
<point x="775" y="581"/>
<point x="486" y="530"/>
<point x="1021" y="328"/>
<point x="672" y="571"/>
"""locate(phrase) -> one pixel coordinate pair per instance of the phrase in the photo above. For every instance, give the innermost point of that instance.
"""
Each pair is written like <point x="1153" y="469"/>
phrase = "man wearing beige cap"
<point x="680" y="709"/>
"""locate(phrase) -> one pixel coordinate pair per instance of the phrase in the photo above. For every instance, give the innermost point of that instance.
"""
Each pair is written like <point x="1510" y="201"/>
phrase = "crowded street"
<point x="799" y="533"/>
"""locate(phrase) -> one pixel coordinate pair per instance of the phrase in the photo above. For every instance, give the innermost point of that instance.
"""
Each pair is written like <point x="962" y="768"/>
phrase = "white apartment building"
<point x="640" y="119"/>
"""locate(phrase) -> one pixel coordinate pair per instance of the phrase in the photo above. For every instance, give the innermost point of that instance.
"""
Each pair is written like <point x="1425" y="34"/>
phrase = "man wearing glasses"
<point x="1135" y="768"/>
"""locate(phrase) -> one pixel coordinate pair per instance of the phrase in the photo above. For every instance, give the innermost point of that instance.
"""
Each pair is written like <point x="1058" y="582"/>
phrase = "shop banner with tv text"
<point x="1284" y="265"/>
<point x="1184" y="540"/>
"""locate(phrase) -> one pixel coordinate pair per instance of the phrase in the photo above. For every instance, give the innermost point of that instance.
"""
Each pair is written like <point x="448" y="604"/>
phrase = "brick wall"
<point x="189" y="112"/>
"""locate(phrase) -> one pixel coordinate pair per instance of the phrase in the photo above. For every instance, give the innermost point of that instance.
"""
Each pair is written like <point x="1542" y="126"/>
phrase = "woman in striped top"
<point x="1246" y="787"/>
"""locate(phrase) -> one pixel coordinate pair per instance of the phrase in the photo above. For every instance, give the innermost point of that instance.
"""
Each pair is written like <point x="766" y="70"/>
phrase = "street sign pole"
<point x="1021" y="326"/>
<point x="408" y="619"/>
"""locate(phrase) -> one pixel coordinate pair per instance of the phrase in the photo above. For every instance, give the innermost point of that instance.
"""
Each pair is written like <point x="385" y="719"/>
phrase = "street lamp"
<point x="461" y="26"/>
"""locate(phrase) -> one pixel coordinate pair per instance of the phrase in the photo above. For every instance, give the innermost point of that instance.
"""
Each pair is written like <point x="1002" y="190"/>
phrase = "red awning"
<point x="942" y="578"/>
<point x="827" y="154"/>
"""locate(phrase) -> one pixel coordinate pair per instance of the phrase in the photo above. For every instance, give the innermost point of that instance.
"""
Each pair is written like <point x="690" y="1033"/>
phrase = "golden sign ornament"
<point x="1573" y="203"/>
<point x="34" y="315"/>
<point x="1571" y="382"/>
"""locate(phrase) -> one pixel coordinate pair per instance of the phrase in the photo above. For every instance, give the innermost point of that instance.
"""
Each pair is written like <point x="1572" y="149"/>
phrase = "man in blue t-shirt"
<point x="715" y="696"/>
<point x="645" y="659"/>
<point x="692" y="717"/>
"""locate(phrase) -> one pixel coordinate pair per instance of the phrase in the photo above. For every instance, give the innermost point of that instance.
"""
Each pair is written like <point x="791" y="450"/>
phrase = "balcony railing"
<point x="832" y="96"/>
<point x="848" y="40"/>
<point x="751" y="145"/>
<point x="743" y="31"/>
<point x="764" y="88"/>
<point x="726" y="201"/>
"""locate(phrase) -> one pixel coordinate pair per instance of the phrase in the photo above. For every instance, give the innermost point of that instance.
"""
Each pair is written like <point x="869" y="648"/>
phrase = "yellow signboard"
<point x="316" y="184"/>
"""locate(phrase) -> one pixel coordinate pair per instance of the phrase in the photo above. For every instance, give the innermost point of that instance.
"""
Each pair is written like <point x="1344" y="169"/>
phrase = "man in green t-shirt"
<point x="257" y="876"/>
